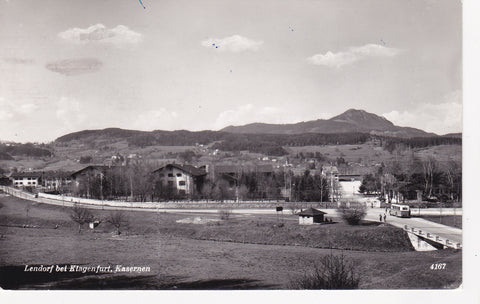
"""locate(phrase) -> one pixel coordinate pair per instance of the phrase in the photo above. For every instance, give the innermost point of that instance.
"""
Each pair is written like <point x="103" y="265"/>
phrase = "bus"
<point x="400" y="210"/>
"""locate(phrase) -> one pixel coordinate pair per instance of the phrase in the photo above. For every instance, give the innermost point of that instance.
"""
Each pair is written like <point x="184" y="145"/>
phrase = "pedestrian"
<point x="385" y="217"/>
<point x="380" y="216"/>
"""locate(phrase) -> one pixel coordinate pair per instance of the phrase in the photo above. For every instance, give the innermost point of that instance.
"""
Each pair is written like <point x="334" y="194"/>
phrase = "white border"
<point x="468" y="293"/>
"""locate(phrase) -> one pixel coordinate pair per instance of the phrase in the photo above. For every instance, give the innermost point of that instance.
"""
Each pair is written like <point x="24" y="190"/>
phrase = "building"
<point x="26" y="179"/>
<point x="93" y="170"/>
<point x="330" y="172"/>
<point x="231" y="173"/>
<point x="56" y="180"/>
<point x="82" y="179"/>
<point x="331" y="175"/>
<point x="185" y="179"/>
<point x="311" y="216"/>
<point x="228" y="173"/>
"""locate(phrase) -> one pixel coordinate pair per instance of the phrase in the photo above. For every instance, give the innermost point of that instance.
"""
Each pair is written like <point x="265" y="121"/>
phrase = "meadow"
<point x="200" y="251"/>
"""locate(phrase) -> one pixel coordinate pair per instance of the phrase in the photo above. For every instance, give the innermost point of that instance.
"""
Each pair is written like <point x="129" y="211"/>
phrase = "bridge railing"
<point x="433" y="237"/>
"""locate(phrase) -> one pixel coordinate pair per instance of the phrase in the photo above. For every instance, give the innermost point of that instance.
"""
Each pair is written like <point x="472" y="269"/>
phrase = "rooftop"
<point x="192" y="170"/>
<point x="311" y="212"/>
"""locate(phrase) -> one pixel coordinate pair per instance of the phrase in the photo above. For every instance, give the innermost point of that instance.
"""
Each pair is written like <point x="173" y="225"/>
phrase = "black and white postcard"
<point x="232" y="145"/>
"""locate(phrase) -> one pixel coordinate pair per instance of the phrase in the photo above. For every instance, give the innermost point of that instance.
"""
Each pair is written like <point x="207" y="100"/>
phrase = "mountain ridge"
<point x="352" y="120"/>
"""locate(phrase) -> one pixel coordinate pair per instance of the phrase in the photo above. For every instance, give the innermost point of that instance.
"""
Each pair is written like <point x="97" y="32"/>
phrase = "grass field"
<point x="240" y="253"/>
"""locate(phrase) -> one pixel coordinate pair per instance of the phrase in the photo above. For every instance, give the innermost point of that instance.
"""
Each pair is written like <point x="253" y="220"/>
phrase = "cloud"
<point x="249" y="113"/>
<point x="336" y="60"/>
<point x="442" y="118"/>
<point x="71" y="67"/>
<point x="235" y="43"/>
<point x="160" y="119"/>
<point x="16" y="118"/>
<point x="98" y="33"/>
<point x="12" y="111"/>
<point x="15" y="60"/>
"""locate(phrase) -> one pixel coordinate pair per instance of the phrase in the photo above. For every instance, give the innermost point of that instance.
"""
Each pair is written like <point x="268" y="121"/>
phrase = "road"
<point x="446" y="232"/>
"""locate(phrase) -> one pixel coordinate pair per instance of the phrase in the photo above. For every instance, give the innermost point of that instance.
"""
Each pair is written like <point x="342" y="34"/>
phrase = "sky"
<point x="67" y="65"/>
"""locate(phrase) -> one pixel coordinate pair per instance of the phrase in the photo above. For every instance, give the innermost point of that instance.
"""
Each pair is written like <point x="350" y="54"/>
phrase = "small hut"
<point x="310" y="216"/>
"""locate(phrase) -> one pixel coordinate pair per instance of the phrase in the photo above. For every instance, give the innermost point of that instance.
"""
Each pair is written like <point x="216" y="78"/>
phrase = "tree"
<point x="335" y="190"/>
<point x="389" y="185"/>
<point x="81" y="216"/>
<point x="141" y="181"/>
<point x="243" y="192"/>
<point x="207" y="190"/>
<point x="186" y="156"/>
<point x="369" y="185"/>
<point x="429" y="169"/>
<point x="453" y="177"/>
<point x="118" y="220"/>
<point x="221" y="191"/>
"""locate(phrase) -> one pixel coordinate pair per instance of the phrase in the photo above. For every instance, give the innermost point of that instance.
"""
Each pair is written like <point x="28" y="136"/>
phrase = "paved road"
<point x="446" y="232"/>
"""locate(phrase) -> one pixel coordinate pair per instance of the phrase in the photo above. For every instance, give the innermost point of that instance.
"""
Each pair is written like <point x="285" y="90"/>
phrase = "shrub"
<point x="85" y="159"/>
<point x="331" y="272"/>
<point x="293" y="207"/>
<point x="81" y="216"/>
<point x="353" y="213"/>
<point x="225" y="213"/>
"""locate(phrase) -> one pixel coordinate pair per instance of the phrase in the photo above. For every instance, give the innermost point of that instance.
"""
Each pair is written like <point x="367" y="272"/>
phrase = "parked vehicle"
<point x="400" y="210"/>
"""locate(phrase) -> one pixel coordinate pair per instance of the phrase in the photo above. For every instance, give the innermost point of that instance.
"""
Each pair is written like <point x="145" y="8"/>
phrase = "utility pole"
<point x="131" y="188"/>
<point x="101" y="186"/>
<point x="321" y="184"/>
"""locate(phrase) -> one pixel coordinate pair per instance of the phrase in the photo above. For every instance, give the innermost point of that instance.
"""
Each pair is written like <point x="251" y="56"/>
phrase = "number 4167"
<point x="438" y="266"/>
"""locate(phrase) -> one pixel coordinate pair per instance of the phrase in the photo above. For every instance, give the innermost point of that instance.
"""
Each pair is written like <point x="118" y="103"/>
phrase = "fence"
<point x="69" y="200"/>
<point x="432" y="237"/>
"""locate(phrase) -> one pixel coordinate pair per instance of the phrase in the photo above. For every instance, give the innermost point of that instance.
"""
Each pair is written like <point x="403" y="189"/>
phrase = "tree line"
<point x="434" y="180"/>
<point x="28" y="149"/>
<point x="137" y="183"/>
<point x="269" y="144"/>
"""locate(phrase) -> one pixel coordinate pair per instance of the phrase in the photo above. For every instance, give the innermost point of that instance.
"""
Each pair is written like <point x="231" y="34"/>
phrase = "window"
<point x="181" y="183"/>
<point x="179" y="174"/>
<point x="170" y="174"/>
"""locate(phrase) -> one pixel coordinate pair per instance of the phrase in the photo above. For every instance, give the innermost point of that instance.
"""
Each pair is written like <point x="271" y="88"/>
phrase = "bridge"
<point x="433" y="238"/>
<point x="435" y="234"/>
